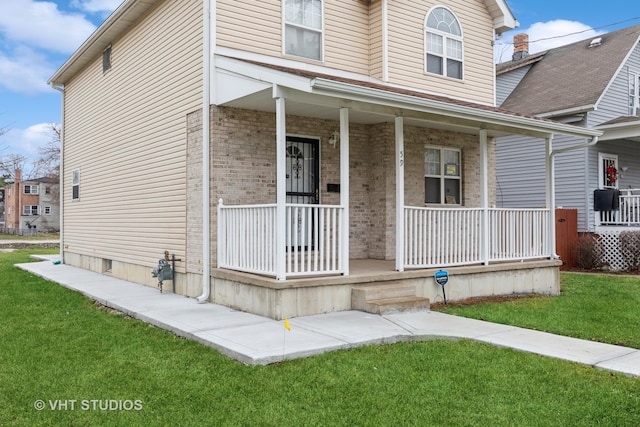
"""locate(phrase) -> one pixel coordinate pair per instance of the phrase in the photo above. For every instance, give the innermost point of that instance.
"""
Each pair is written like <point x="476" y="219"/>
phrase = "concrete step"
<point x="395" y="305"/>
<point x="391" y="290"/>
<point x="388" y="298"/>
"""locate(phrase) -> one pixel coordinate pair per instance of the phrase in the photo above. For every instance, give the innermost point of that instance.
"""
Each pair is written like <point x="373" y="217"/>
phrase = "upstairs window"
<point x="303" y="28"/>
<point x="443" y="44"/>
<point x="30" y="189"/>
<point x="634" y="94"/>
<point x="442" y="180"/>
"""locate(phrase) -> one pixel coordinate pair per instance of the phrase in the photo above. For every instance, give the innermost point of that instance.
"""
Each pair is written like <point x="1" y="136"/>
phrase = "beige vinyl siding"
<point x="406" y="49"/>
<point x="257" y="27"/>
<point x="126" y="133"/>
<point x="375" y="40"/>
<point x="347" y="35"/>
<point x="250" y="26"/>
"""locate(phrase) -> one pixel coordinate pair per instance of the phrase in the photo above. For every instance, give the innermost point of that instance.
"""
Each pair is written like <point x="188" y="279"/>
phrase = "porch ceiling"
<point x="248" y="85"/>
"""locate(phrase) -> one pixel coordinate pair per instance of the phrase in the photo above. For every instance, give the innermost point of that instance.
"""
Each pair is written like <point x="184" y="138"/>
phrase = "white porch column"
<point x="399" y="193"/>
<point x="551" y="194"/>
<point x="484" y="197"/>
<point x="281" y="186"/>
<point x="344" y="187"/>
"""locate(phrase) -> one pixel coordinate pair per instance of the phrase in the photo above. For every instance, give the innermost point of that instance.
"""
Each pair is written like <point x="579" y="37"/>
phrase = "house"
<point x="32" y="204"/>
<point x="298" y="157"/>
<point x="593" y="84"/>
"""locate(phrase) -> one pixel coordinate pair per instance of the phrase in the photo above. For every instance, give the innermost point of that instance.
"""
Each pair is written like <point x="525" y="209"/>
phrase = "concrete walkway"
<point x="259" y="340"/>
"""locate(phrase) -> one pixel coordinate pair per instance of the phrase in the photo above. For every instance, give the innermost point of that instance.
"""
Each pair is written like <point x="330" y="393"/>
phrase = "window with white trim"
<point x="634" y="94"/>
<point x="75" y="184"/>
<point x="31" y="189"/>
<point x="608" y="170"/>
<point x="442" y="176"/>
<point x="29" y="210"/>
<point x="47" y="210"/>
<point x="443" y="43"/>
<point x="303" y="28"/>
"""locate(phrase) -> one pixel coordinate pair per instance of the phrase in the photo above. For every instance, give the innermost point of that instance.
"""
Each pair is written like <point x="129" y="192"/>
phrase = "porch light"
<point x="334" y="138"/>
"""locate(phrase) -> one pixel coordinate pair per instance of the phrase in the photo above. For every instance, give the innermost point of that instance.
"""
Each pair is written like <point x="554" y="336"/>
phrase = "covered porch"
<point x="285" y="245"/>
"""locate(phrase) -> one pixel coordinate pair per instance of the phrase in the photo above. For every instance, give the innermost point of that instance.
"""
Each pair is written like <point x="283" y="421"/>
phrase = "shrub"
<point x="590" y="252"/>
<point x="630" y="249"/>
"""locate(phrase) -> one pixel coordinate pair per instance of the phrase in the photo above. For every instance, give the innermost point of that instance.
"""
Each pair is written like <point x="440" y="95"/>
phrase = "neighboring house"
<point x="344" y="144"/>
<point x="32" y="204"/>
<point x="594" y="84"/>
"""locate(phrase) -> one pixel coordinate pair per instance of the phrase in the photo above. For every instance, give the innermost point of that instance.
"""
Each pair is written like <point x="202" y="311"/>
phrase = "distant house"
<point x="288" y="152"/>
<point x="594" y="84"/>
<point x="32" y="204"/>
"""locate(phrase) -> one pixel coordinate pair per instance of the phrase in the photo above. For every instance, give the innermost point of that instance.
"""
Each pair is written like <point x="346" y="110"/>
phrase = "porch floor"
<point x="366" y="271"/>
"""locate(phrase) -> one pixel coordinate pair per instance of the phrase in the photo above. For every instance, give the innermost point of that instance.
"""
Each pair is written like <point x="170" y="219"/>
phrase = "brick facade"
<point x="243" y="171"/>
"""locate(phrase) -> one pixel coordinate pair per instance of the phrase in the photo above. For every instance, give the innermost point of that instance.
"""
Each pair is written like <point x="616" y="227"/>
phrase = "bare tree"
<point x="48" y="164"/>
<point x="10" y="163"/>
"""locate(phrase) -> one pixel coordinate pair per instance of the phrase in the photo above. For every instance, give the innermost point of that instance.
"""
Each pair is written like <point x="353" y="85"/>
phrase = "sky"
<point x="37" y="37"/>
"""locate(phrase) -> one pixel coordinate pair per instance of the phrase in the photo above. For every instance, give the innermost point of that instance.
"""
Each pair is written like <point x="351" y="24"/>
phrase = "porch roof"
<point x="626" y="127"/>
<point x="252" y="85"/>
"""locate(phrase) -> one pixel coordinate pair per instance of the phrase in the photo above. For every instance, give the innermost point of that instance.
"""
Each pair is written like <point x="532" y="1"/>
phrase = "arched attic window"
<point x="443" y="43"/>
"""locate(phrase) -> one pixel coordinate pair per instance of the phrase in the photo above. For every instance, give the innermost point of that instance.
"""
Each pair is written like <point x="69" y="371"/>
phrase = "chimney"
<point x="17" y="176"/>
<point x="520" y="46"/>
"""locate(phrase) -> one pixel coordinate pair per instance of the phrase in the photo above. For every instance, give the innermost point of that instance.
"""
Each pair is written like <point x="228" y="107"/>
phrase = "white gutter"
<point x="447" y="109"/>
<point x="61" y="172"/>
<point x="206" y="103"/>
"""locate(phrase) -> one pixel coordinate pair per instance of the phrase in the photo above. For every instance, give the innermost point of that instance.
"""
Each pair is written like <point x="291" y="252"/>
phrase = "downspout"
<point x="61" y="172"/>
<point x="206" y="185"/>
<point x="552" y="188"/>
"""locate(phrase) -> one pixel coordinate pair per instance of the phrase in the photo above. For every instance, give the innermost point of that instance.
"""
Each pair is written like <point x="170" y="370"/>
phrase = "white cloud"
<point x="95" y="6"/>
<point x="41" y="24"/>
<point x="544" y="36"/>
<point x="26" y="142"/>
<point x="25" y="71"/>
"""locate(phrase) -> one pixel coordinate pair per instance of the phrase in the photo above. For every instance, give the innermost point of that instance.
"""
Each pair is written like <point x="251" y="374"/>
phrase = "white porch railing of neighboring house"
<point x="628" y="212"/>
<point x="247" y="239"/>
<point x="438" y="237"/>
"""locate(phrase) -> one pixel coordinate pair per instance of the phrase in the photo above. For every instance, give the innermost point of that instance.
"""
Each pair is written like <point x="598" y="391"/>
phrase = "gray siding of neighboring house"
<point x="520" y="169"/>
<point x="521" y="174"/>
<point x="507" y="82"/>
<point x="518" y="159"/>
<point x="570" y="173"/>
<point x="614" y="103"/>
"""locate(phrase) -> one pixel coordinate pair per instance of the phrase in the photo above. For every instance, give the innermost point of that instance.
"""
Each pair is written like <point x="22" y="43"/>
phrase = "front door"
<point x="302" y="171"/>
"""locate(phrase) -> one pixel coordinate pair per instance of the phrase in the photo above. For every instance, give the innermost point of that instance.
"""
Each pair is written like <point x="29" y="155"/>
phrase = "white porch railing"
<point x="629" y="211"/>
<point x="247" y="239"/>
<point x="436" y="237"/>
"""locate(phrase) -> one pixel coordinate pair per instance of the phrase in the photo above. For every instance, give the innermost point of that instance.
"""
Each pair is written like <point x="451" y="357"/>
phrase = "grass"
<point x="57" y="345"/>
<point x="593" y="307"/>
<point x="39" y="236"/>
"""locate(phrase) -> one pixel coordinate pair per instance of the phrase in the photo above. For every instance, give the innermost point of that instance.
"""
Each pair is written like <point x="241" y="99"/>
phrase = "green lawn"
<point x="602" y="308"/>
<point x="55" y="345"/>
<point x="39" y="236"/>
